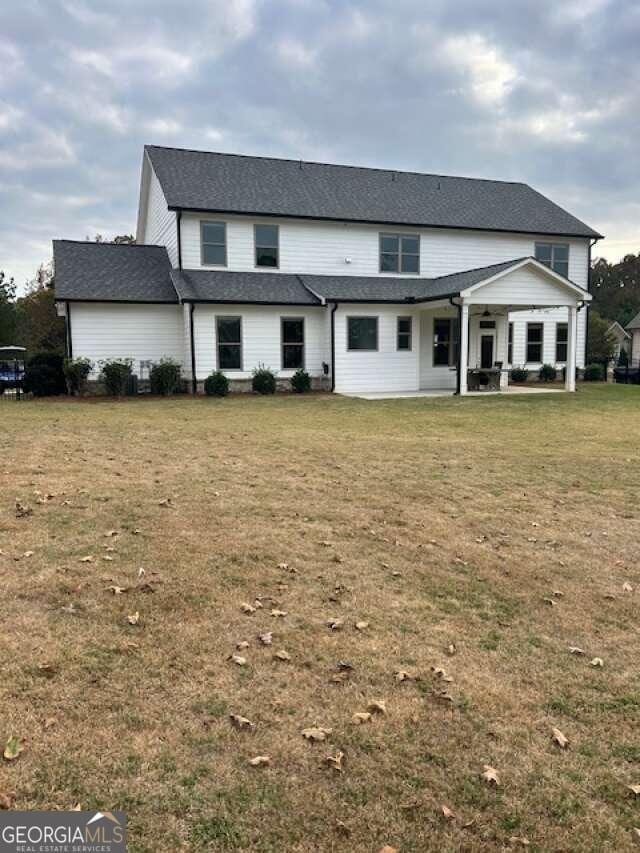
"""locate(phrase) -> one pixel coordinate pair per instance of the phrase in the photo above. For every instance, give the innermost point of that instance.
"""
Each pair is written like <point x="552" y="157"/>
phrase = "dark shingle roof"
<point x="634" y="323"/>
<point x="95" y="272"/>
<point x="389" y="289"/>
<point x="231" y="183"/>
<point x="256" y="287"/>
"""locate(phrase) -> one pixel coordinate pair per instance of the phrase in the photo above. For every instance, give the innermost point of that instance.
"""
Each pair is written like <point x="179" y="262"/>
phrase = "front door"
<point x="486" y="351"/>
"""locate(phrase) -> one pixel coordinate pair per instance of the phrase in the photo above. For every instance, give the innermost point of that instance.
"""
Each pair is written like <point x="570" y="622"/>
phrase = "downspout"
<point x="194" y="381"/>
<point x="333" y="346"/>
<point x="458" y="305"/>
<point x="67" y="324"/>
<point x="179" y="230"/>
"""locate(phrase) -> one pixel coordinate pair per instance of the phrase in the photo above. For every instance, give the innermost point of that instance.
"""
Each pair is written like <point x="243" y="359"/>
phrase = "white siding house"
<point x="395" y="281"/>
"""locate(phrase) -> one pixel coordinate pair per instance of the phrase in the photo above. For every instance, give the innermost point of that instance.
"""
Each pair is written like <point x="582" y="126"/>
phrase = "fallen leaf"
<point x="490" y="775"/>
<point x="626" y="587"/>
<point x="22" y="510"/>
<point x="441" y="673"/>
<point x="447" y="813"/>
<point x="247" y="608"/>
<point x="316" y="733"/>
<point x="362" y="626"/>
<point x="279" y="614"/>
<point x="342" y="828"/>
<point x="28" y="554"/>
<point x="111" y="533"/>
<point x="259" y="761"/>
<point x="557" y="593"/>
<point x="402" y="675"/>
<point x="451" y="649"/>
<point x="164" y="502"/>
<point x="635" y="789"/>
<point x="133" y="618"/>
<point x="141" y="572"/>
<point x="266" y="639"/>
<point x="377" y="707"/>
<point x="257" y="604"/>
<point x="361" y="717"/>
<point x="576" y="650"/>
<point x="13" y="748"/>
<point x="549" y="601"/>
<point x="242" y="645"/>
<point x="238" y="659"/>
<point x="388" y="849"/>
<point x="597" y="662"/>
<point x="559" y="738"/>
<point x="282" y="655"/>
<point x="117" y="590"/>
<point x="87" y="559"/>
<point x="240" y="722"/>
<point x="335" y="761"/>
<point x="335" y="624"/>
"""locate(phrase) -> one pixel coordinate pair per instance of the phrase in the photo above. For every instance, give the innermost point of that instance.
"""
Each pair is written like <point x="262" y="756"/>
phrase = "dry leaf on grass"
<point x="361" y="717"/>
<point x="164" y="502"/>
<point x="6" y="799"/>
<point x="242" y="645"/>
<point x="28" y="554"/>
<point x="241" y="723"/>
<point x="362" y="626"/>
<point x="22" y="510"/>
<point x="134" y="618"/>
<point x="389" y="849"/>
<point x="316" y="733"/>
<point x="87" y="559"/>
<point x="282" y="655"/>
<point x="117" y="590"/>
<point x="335" y="761"/>
<point x="377" y="707"/>
<point x="279" y="614"/>
<point x="259" y="761"/>
<point x="13" y="748"/>
<point x="447" y="813"/>
<point x="401" y="675"/>
<point x="238" y="659"/>
<point x="560" y="738"/>
<point x="266" y="639"/>
<point x="490" y="775"/>
<point x="111" y="533"/>
<point x="596" y="662"/>
<point x="635" y="789"/>
<point x="451" y="649"/>
<point x="335" y="624"/>
<point x="247" y="608"/>
<point x="576" y="650"/>
<point x="626" y="587"/>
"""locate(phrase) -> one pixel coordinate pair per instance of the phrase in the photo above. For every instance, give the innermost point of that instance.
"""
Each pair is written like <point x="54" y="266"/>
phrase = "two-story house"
<point x="371" y="280"/>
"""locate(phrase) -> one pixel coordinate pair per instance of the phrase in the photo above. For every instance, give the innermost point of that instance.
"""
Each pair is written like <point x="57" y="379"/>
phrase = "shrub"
<point x="216" y="385"/>
<point x="547" y="373"/>
<point x="263" y="380"/>
<point x="116" y="374"/>
<point x="594" y="373"/>
<point x="76" y="372"/>
<point x="164" y="377"/>
<point x="519" y="374"/>
<point x="301" y="381"/>
<point x="44" y="375"/>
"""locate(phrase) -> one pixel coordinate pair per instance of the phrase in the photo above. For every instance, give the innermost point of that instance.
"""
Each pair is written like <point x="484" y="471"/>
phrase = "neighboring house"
<point x="622" y="339"/>
<point x="634" y="330"/>
<point x="370" y="279"/>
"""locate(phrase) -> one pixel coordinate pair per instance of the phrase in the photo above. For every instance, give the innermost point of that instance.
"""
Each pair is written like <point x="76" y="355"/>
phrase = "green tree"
<point x="7" y="310"/>
<point x="37" y="323"/>
<point x="600" y="344"/>
<point x="616" y="288"/>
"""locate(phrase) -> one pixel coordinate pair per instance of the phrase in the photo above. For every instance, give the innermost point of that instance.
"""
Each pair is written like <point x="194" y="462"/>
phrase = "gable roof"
<point x="634" y="323"/>
<point x="112" y="272"/>
<point x="618" y="328"/>
<point x="233" y="183"/>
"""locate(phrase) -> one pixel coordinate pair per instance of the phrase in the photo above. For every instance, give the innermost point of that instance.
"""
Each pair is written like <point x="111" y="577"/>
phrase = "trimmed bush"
<point x="116" y="375"/>
<point x="594" y="373"/>
<point x="76" y="372"/>
<point x="263" y="380"/>
<point x="164" y="377"/>
<point x="44" y="375"/>
<point x="301" y="381"/>
<point x="216" y="385"/>
<point x="519" y="374"/>
<point x="547" y="373"/>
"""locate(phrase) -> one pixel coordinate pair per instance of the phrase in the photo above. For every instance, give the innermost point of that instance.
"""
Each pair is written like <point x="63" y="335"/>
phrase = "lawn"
<point x="460" y="548"/>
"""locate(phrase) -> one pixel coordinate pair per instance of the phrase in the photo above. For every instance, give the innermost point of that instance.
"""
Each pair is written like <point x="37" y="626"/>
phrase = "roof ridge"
<point x="110" y="243"/>
<point x="335" y="165"/>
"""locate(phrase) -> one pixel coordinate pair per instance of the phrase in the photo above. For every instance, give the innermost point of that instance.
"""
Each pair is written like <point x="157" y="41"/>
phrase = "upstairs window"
<point x="400" y="253"/>
<point x="292" y="333"/>
<point x="362" y="333"/>
<point x="445" y="341"/>
<point x="534" y="342"/>
<point x="213" y="240"/>
<point x="554" y="255"/>
<point x="229" y="334"/>
<point x="266" y="240"/>
<point x="562" y="338"/>
<point x="404" y="333"/>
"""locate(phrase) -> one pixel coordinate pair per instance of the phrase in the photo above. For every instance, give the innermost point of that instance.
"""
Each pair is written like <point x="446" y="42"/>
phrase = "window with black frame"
<point x="292" y="333"/>
<point x="362" y="333"/>
<point x="229" y="340"/>
<point x="534" y="342"/>
<point x="400" y="253"/>
<point x="445" y="341"/>
<point x="404" y="334"/>
<point x="554" y="255"/>
<point x="562" y="340"/>
<point x="267" y="245"/>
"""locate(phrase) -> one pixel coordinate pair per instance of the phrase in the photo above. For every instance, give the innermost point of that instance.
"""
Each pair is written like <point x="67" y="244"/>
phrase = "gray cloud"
<point x="540" y="91"/>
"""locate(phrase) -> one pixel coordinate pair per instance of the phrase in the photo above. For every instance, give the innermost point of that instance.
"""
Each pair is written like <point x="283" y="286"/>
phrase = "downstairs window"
<point x="445" y="341"/>
<point x="229" y="339"/>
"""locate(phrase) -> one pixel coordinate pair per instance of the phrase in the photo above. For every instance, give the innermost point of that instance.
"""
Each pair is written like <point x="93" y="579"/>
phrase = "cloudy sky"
<point x="544" y="91"/>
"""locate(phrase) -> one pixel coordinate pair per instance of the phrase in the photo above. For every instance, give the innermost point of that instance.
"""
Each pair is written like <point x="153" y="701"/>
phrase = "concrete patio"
<point x="401" y="395"/>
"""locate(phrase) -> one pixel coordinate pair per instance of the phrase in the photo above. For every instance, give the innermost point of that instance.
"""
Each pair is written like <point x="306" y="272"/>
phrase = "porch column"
<point x="464" y="347"/>
<point x="572" y="341"/>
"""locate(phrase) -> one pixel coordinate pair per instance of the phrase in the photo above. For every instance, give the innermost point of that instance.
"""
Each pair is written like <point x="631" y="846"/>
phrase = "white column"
<point x="503" y="348"/>
<point x="572" y="341"/>
<point x="464" y="347"/>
